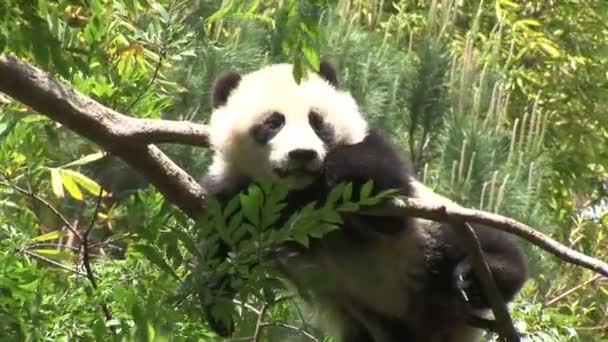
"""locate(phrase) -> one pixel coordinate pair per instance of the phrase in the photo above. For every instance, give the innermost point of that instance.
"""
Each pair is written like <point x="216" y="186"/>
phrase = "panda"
<point x="382" y="278"/>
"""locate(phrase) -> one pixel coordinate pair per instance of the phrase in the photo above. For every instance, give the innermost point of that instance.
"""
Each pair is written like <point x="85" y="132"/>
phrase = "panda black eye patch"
<point x="266" y="130"/>
<point x="324" y="131"/>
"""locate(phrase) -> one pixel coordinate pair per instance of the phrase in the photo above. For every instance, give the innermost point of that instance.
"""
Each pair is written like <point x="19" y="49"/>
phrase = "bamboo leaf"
<point x="52" y="235"/>
<point x="85" y="182"/>
<point x="56" y="183"/>
<point x="84" y="160"/>
<point x="71" y="185"/>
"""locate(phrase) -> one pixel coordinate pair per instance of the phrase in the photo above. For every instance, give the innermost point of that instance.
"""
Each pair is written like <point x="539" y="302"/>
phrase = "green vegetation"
<point x="502" y="106"/>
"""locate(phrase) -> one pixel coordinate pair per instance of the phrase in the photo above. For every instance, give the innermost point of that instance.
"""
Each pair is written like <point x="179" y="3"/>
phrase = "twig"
<point x="53" y="262"/>
<point x="247" y="306"/>
<point x="258" y="326"/>
<point x="55" y="245"/>
<point x="46" y="204"/>
<point x="291" y="327"/>
<point x="598" y="327"/>
<point x="574" y="289"/>
<point x="86" y="260"/>
<point x="161" y="58"/>
<point x="113" y="239"/>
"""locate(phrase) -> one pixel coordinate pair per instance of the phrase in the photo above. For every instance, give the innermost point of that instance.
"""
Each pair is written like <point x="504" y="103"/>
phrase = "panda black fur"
<point x="384" y="279"/>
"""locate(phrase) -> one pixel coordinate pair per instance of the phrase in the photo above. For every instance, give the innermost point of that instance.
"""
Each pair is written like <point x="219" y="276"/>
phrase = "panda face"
<point x="295" y="145"/>
<point x="267" y="125"/>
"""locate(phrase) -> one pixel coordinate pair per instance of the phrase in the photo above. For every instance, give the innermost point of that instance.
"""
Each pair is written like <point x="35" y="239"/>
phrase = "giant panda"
<point x="382" y="279"/>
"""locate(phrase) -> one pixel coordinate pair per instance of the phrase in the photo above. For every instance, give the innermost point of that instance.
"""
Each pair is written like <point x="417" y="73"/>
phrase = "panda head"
<point x="264" y="124"/>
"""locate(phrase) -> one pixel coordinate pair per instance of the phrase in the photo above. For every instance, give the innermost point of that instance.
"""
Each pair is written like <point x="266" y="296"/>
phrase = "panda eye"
<point x="275" y="121"/>
<point x="316" y="121"/>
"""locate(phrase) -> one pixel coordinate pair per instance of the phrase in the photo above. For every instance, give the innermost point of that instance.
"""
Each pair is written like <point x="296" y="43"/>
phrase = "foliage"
<point x="501" y="106"/>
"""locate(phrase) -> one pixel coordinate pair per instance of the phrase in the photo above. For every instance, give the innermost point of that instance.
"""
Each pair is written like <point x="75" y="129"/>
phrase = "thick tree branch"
<point x="125" y="137"/>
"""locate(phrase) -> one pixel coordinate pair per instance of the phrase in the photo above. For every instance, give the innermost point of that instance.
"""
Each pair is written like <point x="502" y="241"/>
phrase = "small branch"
<point x="291" y="327"/>
<point x="46" y="204"/>
<point x="161" y="58"/>
<point x="55" y="245"/>
<point x="86" y="262"/>
<point x="436" y="212"/>
<point x="112" y="239"/>
<point x="574" y="289"/>
<point x="53" y="262"/>
<point x="258" y="326"/>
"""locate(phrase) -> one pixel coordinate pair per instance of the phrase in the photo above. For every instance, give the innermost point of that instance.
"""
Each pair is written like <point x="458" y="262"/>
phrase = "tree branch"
<point x="574" y="289"/>
<point x="438" y="212"/>
<point x="47" y="204"/>
<point x="124" y="136"/>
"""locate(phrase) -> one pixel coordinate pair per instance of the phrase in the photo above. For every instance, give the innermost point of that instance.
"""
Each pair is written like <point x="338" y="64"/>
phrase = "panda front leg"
<point x="375" y="159"/>
<point x="506" y="262"/>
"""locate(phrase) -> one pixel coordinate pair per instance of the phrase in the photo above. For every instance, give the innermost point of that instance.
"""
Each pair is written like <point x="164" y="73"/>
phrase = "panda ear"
<point x="327" y="70"/>
<point x="222" y="86"/>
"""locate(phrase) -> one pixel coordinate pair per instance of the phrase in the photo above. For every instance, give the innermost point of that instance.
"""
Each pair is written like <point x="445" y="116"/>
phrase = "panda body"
<point x="375" y="278"/>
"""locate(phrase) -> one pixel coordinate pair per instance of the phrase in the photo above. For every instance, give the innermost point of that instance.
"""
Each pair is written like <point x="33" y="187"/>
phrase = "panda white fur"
<point x="382" y="279"/>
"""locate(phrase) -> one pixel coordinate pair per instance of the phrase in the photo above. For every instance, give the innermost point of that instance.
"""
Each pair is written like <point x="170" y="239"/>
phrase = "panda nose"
<point x="302" y="155"/>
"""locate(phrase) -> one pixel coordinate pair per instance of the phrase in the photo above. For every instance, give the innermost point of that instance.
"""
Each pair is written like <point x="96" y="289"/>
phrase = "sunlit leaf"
<point x="221" y="13"/>
<point x="56" y="183"/>
<point x="71" y="186"/>
<point x="84" y="160"/>
<point x="56" y="254"/>
<point x="312" y="56"/>
<point x="85" y="182"/>
<point x="52" y="235"/>
<point x="549" y="49"/>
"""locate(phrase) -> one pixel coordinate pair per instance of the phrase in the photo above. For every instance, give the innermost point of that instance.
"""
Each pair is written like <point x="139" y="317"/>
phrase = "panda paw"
<point x="467" y="285"/>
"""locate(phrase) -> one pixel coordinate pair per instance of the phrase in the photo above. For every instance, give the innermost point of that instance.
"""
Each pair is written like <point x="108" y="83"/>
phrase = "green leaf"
<point x="312" y="56"/>
<point x="348" y="192"/>
<point x="549" y="49"/>
<point x="302" y="238"/>
<point x="56" y="183"/>
<point x="55" y="254"/>
<point x="366" y="190"/>
<point x="349" y="207"/>
<point x="154" y="255"/>
<point x="250" y="204"/>
<point x="527" y="22"/>
<point x="298" y="70"/>
<point x="331" y="216"/>
<point x="334" y="195"/>
<point x="231" y="207"/>
<point x="220" y="13"/>
<point x="2" y="42"/>
<point x="52" y="235"/>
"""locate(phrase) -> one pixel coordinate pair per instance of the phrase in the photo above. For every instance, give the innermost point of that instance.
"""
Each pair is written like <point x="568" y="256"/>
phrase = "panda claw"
<point x="464" y="281"/>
